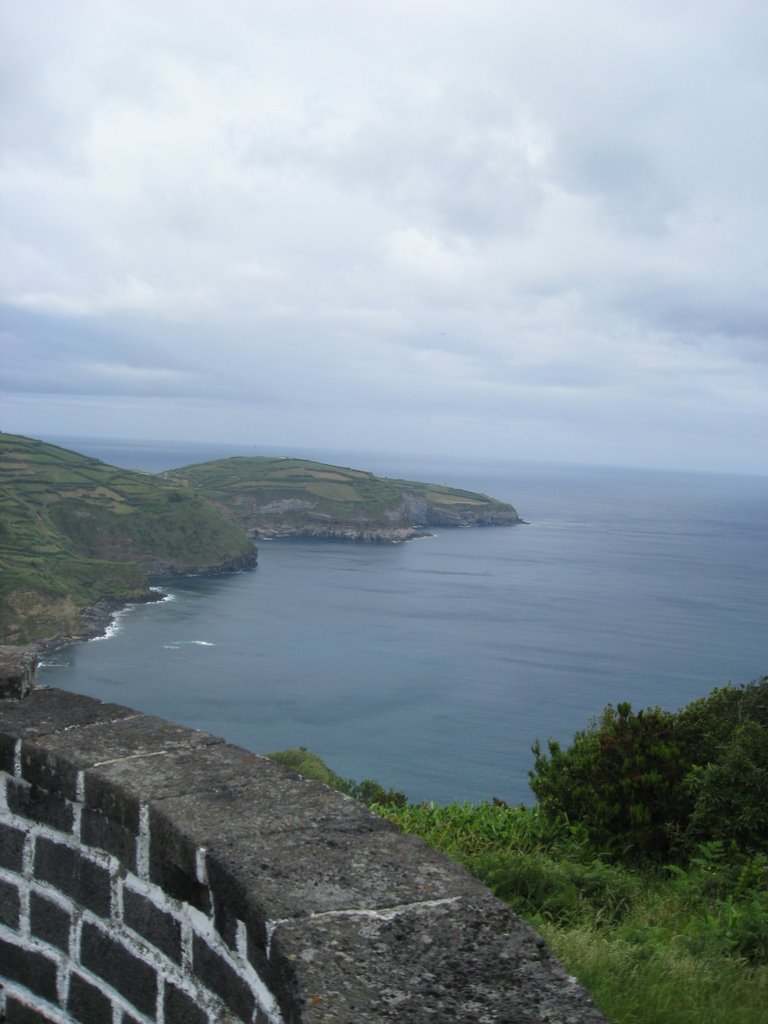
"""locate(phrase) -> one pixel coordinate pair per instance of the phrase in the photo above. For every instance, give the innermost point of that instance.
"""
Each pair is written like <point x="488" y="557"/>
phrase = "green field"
<point x="281" y="496"/>
<point x="74" y="530"/>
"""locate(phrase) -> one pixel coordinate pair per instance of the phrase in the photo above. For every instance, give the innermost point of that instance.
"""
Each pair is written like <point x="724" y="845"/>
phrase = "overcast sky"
<point x="522" y="229"/>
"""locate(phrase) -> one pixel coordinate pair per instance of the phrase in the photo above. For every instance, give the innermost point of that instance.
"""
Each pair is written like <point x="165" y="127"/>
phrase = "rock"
<point x="17" y="670"/>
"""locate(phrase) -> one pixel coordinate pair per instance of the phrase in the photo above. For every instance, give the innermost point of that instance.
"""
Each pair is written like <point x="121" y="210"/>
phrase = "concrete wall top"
<point x="340" y="915"/>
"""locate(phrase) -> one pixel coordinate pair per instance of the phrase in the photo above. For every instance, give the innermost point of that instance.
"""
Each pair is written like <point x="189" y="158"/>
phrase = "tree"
<point x="652" y="784"/>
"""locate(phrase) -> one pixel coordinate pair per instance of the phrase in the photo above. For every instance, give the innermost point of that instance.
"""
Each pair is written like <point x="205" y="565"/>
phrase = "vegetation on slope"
<point x="644" y="863"/>
<point x="282" y="497"/>
<point x="74" y="531"/>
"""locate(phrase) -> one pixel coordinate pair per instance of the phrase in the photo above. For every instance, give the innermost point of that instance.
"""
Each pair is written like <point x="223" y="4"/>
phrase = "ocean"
<point x="433" y="666"/>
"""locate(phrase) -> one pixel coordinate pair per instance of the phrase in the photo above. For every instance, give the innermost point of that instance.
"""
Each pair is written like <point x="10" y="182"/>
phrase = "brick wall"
<point x="152" y="874"/>
<point x="87" y="935"/>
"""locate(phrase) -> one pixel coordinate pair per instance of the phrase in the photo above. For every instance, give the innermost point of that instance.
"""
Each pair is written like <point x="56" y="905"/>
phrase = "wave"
<point x="176" y="644"/>
<point x="111" y="630"/>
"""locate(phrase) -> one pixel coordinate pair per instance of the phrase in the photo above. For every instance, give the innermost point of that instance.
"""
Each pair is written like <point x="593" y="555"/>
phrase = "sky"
<point x="529" y="229"/>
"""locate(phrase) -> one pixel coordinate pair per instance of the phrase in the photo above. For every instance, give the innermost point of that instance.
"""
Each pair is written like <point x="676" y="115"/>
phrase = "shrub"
<point x="621" y="780"/>
<point x="653" y="785"/>
<point x="730" y="795"/>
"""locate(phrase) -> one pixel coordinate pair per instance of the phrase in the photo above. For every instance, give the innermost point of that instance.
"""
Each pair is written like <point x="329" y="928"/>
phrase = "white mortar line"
<point x="77" y="820"/>
<point x="192" y="921"/>
<point x="115" y="896"/>
<point x="241" y="939"/>
<point x="267" y="1002"/>
<point x="97" y="725"/>
<point x="186" y="945"/>
<point x="160" y="1003"/>
<point x="142" y="843"/>
<point x="118" y="910"/>
<point x="62" y="980"/>
<point x="75" y="939"/>
<point x="201" y="867"/>
<point x="129" y="757"/>
<point x="270" y="928"/>
<point x="27" y="872"/>
<point x="40" y="1006"/>
<point x="383" y="913"/>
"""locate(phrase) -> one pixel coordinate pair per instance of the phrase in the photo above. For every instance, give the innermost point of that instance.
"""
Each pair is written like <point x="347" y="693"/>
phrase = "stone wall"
<point x="152" y="874"/>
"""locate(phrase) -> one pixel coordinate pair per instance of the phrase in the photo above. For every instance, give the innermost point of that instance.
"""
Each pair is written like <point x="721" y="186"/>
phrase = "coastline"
<point x="96" y="619"/>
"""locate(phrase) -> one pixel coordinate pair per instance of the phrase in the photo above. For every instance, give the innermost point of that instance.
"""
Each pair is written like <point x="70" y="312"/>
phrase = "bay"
<point x="433" y="666"/>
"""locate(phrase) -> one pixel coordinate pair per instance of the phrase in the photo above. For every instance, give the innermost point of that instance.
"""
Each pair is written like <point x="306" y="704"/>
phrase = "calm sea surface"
<point x="432" y="666"/>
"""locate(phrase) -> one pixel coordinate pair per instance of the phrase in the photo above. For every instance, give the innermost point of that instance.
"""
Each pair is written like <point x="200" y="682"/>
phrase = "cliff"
<point x="281" y="497"/>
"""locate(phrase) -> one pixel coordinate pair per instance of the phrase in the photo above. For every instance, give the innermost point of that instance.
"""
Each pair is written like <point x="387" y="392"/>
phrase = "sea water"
<point x="432" y="666"/>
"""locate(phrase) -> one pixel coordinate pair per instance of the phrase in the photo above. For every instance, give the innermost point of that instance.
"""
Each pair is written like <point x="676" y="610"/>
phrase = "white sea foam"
<point x="187" y="643"/>
<point x="112" y="629"/>
<point x="115" y="625"/>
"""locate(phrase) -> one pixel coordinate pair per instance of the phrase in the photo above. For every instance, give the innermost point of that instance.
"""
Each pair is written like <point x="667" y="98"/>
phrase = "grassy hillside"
<point x="74" y="531"/>
<point x="281" y="496"/>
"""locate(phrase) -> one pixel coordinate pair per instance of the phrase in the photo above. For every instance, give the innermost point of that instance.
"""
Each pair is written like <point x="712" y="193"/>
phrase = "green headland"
<point x="280" y="497"/>
<point x="80" y="538"/>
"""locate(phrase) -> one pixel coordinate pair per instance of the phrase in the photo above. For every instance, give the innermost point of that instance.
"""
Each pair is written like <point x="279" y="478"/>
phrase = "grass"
<point x="247" y="487"/>
<point x="635" y="984"/>
<point x="74" y="530"/>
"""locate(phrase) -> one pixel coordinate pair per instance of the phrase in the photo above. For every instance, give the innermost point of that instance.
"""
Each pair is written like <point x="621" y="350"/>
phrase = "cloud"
<point x="384" y="221"/>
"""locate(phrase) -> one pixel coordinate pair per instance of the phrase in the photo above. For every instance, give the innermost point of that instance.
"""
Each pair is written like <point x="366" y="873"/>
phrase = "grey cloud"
<point x="450" y="221"/>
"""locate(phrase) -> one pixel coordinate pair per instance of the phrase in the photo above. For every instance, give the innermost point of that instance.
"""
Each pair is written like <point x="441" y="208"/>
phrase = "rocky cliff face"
<point x="285" y="497"/>
<point x="411" y="518"/>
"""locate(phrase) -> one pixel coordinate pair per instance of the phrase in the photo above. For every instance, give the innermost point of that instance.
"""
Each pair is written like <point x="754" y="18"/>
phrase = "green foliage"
<point x="730" y="794"/>
<point x="75" y="530"/>
<point x="621" y="780"/>
<point x="705" y="725"/>
<point x="370" y="792"/>
<point x="541" y="887"/>
<point x="286" y="496"/>
<point x="308" y="764"/>
<point x="652" y="784"/>
<point x="656" y="982"/>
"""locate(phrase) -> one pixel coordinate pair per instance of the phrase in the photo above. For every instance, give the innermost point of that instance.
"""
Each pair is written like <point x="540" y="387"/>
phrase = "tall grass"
<point x="651" y="945"/>
<point x="647" y="984"/>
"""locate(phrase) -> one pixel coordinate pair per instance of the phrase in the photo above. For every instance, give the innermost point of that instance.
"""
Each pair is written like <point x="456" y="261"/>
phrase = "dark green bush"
<point x="653" y="785"/>
<point x="621" y="779"/>
<point x="730" y="795"/>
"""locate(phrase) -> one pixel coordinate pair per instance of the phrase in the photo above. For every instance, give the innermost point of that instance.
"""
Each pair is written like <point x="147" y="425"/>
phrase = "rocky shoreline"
<point x="364" y="534"/>
<point x="396" y="534"/>
<point x="95" y="619"/>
